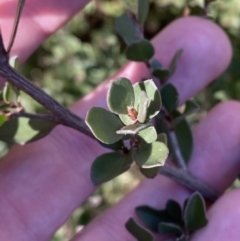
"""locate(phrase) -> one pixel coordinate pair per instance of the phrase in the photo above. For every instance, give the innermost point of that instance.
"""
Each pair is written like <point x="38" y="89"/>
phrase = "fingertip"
<point x="206" y="53"/>
<point x="218" y="140"/>
<point x="223" y="219"/>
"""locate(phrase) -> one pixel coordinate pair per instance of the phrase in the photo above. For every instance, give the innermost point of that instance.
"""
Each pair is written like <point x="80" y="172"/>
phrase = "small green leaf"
<point x="126" y="29"/>
<point x="133" y="129"/>
<point x="148" y="135"/>
<point x="143" y="107"/>
<point x="152" y="217"/>
<point x="174" y="211"/>
<point x="169" y="97"/>
<point x="11" y="94"/>
<point x="175" y="59"/>
<point x="3" y="118"/>
<point x="158" y="70"/>
<point x="190" y="108"/>
<point x="108" y="166"/>
<point x="169" y="228"/>
<point x="162" y="137"/>
<point x="194" y="213"/>
<point x="13" y="62"/>
<point x="104" y="125"/>
<point x="155" y="64"/>
<point x="184" y="137"/>
<point x="162" y="74"/>
<point x="24" y="130"/>
<point x="143" y="9"/>
<point x="126" y="120"/>
<point x="150" y="172"/>
<point x="115" y="146"/>
<point x="141" y="50"/>
<point x="138" y="231"/>
<point x="151" y="155"/>
<point x="120" y="96"/>
<point x="154" y="98"/>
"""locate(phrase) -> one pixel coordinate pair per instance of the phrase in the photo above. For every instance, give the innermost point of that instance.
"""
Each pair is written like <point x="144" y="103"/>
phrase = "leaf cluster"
<point x="128" y="129"/>
<point x="178" y="222"/>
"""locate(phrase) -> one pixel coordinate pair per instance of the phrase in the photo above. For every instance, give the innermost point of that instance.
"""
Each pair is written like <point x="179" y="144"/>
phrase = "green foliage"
<point x="141" y="50"/>
<point x="184" y="136"/>
<point x="169" y="228"/>
<point x="108" y="166"/>
<point x="135" y="105"/>
<point x="120" y="96"/>
<point x="151" y="155"/>
<point x="158" y="70"/>
<point x="150" y="172"/>
<point x="148" y="135"/>
<point x="3" y="118"/>
<point x="169" y="97"/>
<point x="104" y="125"/>
<point x="142" y="107"/>
<point x="126" y="29"/>
<point x="154" y="98"/>
<point x="195" y="207"/>
<point x="143" y="9"/>
<point x="24" y="130"/>
<point x="173" y="220"/>
<point x="138" y="231"/>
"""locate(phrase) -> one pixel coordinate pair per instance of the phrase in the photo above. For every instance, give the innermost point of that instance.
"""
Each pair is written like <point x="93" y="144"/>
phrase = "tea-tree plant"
<point x="142" y="126"/>
<point x="132" y="114"/>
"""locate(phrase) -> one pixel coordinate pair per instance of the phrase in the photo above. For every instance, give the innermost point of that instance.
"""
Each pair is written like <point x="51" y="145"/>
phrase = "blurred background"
<point x="87" y="50"/>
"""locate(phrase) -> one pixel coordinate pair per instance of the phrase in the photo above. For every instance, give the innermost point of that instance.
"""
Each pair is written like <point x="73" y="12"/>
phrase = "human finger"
<point x="59" y="165"/>
<point x="38" y="21"/>
<point x="215" y="161"/>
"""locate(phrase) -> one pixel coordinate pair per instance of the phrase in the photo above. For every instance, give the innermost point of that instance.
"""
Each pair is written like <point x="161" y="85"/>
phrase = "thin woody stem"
<point x="44" y="117"/>
<point x="188" y="180"/>
<point x="63" y="115"/>
<point x="15" y="25"/>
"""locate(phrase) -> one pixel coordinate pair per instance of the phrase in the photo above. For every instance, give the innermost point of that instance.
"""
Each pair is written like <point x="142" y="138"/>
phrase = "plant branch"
<point x="188" y="180"/>
<point x="63" y="115"/>
<point x="15" y="25"/>
<point x="176" y="150"/>
<point x="44" y="117"/>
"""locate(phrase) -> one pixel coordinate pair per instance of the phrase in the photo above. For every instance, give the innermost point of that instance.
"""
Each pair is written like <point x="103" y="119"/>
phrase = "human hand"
<point x="43" y="182"/>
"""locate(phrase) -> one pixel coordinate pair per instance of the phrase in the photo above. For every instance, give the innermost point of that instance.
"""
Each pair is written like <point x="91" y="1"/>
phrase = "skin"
<point x="43" y="182"/>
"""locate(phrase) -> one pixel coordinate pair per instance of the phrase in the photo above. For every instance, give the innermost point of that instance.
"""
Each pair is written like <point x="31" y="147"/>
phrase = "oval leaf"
<point x="126" y="29"/>
<point x="104" y="125"/>
<point x="143" y="107"/>
<point x="3" y="118"/>
<point x="133" y="129"/>
<point x="150" y="172"/>
<point x="142" y="50"/>
<point x="108" y="166"/>
<point x="175" y="59"/>
<point x="162" y="137"/>
<point x="174" y="210"/>
<point x="143" y="8"/>
<point x="24" y="130"/>
<point x="149" y="134"/>
<point x="138" y="231"/>
<point x="169" y="228"/>
<point x="151" y="155"/>
<point x="154" y="98"/>
<point x="126" y="120"/>
<point x="120" y="96"/>
<point x="152" y="217"/>
<point x="184" y="137"/>
<point x="194" y="213"/>
<point x="169" y="97"/>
